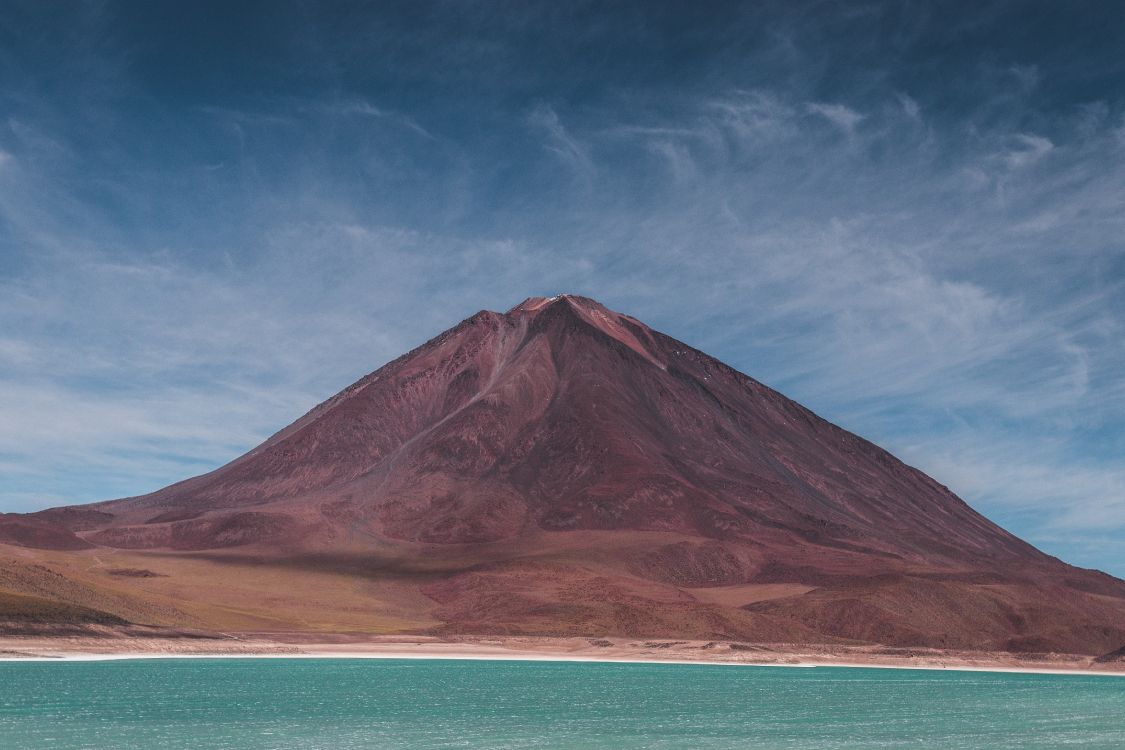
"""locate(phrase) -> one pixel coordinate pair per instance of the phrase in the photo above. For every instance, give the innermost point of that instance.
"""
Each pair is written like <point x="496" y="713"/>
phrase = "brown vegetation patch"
<point x="693" y="564"/>
<point x="27" y="531"/>
<point x="134" y="573"/>
<point x="21" y="608"/>
<point x="1112" y="656"/>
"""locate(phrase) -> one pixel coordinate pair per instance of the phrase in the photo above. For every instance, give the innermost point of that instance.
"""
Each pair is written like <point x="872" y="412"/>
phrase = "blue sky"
<point x="908" y="216"/>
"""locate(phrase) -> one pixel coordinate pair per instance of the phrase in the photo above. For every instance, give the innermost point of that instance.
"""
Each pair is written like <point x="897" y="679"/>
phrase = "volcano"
<point x="563" y="469"/>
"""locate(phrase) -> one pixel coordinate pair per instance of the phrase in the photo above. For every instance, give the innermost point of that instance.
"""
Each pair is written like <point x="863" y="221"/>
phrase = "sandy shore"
<point x="308" y="645"/>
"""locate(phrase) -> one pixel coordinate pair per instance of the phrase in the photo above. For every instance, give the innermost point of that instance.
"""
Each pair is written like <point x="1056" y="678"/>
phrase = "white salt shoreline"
<point x="532" y="657"/>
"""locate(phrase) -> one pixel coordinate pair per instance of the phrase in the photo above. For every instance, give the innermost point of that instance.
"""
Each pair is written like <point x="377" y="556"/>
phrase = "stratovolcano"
<point x="563" y="469"/>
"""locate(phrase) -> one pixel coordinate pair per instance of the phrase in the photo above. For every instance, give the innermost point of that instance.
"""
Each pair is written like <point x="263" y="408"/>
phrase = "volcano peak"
<point x="533" y="305"/>
<point x="620" y="327"/>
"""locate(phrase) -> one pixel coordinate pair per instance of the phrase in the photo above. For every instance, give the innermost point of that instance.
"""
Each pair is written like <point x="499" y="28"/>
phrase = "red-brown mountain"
<point x="562" y="468"/>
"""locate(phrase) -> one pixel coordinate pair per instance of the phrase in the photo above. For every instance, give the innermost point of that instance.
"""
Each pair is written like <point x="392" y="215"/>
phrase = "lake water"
<point x="338" y="704"/>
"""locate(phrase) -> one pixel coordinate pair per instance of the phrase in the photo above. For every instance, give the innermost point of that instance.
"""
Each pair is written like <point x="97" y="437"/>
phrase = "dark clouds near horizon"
<point x="908" y="216"/>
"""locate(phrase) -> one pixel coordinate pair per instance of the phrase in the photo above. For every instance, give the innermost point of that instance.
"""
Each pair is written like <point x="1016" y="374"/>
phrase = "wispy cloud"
<point x="752" y="116"/>
<point x="561" y="142"/>
<point x="909" y="105"/>
<point x="1028" y="150"/>
<point x="1027" y="76"/>
<point x="364" y="108"/>
<point x="843" y="117"/>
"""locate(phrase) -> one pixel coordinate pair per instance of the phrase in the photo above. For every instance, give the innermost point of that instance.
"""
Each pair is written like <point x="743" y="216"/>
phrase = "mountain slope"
<point x="563" y="468"/>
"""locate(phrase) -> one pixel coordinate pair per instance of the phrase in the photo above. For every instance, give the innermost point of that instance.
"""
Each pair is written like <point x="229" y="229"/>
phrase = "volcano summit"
<point x="560" y="469"/>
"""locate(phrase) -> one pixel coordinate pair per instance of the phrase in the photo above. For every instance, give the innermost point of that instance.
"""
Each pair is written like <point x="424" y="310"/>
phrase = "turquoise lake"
<point x="337" y="704"/>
